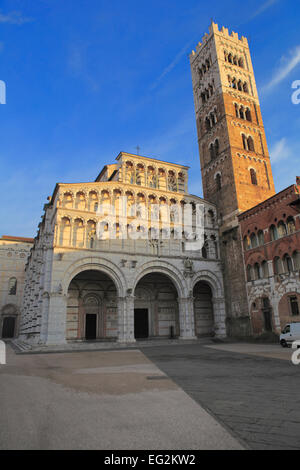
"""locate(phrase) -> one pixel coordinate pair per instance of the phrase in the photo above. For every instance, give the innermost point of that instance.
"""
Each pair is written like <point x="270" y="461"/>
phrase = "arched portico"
<point x="97" y="264"/>
<point x="58" y="302"/>
<point x="92" y="312"/>
<point x="167" y="269"/>
<point x="9" y="320"/>
<point x="156" y="307"/>
<point x="184" y="300"/>
<point x="208" y="305"/>
<point x="203" y="309"/>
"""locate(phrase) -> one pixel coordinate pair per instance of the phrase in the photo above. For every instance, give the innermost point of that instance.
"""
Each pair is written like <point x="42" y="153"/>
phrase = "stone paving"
<point x="100" y="400"/>
<point x="257" y="398"/>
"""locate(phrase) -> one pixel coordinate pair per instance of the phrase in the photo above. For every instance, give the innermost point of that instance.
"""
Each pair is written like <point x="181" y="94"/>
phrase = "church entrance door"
<point x="141" y="323"/>
<point x="90" y="326"/>
<point x="8" y="329"/>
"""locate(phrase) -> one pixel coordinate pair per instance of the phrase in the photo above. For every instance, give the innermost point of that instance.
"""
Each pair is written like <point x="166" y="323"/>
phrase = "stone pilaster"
<point x="219" y="316"/>
<point x="186" y="318"/>
<point x="126" y="319"/>
<point x="57" y="319"/>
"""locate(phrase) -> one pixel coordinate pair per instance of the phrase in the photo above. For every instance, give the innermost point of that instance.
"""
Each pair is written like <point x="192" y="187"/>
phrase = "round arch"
<point x="211" y="279"/>
<point x="9" y="321"/>
<point x="98" y="264"/>
<point x="156" y="306"/>
<point x="163" y="268"/>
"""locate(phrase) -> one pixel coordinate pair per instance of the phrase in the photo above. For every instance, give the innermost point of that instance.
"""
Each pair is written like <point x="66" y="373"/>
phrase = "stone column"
<point x="219" y="316"/>
<point x="186" y="318"/>
<point x="126" y="319"/>
<point x="121" y="319"/>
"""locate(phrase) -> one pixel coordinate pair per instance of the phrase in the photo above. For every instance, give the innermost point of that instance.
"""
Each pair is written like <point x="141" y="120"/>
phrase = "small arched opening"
<point x="203" y="309"/>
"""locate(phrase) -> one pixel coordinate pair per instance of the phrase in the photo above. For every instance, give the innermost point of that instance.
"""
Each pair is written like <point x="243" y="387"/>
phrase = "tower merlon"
<point x="214" y="29"/>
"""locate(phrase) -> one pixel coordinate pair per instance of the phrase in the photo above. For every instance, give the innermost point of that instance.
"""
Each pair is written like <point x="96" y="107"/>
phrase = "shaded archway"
<point x="203" y="309"/>
<point x="156" y="307"/>
<point x="92" y="312"/>
<point x="9" y="321"/>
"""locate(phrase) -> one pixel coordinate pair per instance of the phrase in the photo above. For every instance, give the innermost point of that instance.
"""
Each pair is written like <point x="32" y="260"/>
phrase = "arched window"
<point x="277" y="265"/>
<point x="217" y="147"/>
<point x="247" y="244"/>
<point x="296" y="260"/>
<point x="211" y="151"/>
<point x="288" y="264"/>
<point x="294" y="305"/>
<point x="230" y="58"/>
<point x="12" y="286"/>
<point x="253" y="240"/>
<point x="207" y="124"/>
<point x="235" y="61"/>
<point x="249" y="273"/>
<point x="248" y="115"/>
<point x="257" y="272"/>
<point x="240" y="85"/>
<point x="67" y="201"/>
<point x="237" y="113"/>
<point x="253" y="176"/>
<point x="291" y="225"/>
<point x="204" y="252"/>
<point x="282" y="232"/>
<point x="250" y="144"/>
<point x="245" y="145"/>
<point x="242" y="115"/>
<point x="261" y="238"/>
<point x="234" y="85"/>
<point x="245" y="88"/>
<point x="225" y="56"/>
<point x="212" y="119"/>
<point x="265" y="269"/>
<point x="273" y="233"/>
<point x="241" y="63"/>
<point x="211" y="90"/>
<point x="218" y="182"/>
<point x="210" y="218"/>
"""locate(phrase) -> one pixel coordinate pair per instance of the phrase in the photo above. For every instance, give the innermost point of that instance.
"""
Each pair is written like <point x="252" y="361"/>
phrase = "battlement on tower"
<point x="214" y="29"/>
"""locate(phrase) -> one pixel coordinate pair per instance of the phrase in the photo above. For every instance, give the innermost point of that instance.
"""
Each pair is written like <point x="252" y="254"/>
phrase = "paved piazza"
<point x="100" y="400"/>
<point x="186" y="396"/>
<point x="251" y="389"/>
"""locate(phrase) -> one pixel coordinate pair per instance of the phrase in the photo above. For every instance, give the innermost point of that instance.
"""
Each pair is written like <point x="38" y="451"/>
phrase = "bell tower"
<point x="235" y="162"/>
<point x="234" y="158"/>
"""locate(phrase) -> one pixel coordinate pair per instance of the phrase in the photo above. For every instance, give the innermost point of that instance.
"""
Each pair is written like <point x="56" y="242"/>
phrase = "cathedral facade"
<point x="82" y="286"/>
<point x="87" y="276"/>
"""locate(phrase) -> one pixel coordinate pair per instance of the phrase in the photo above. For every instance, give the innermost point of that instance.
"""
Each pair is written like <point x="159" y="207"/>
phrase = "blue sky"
<point x="88" y="78"/>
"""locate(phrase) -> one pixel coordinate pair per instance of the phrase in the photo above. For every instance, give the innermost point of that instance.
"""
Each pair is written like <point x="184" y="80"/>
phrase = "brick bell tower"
<point x="235" y="163"/>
